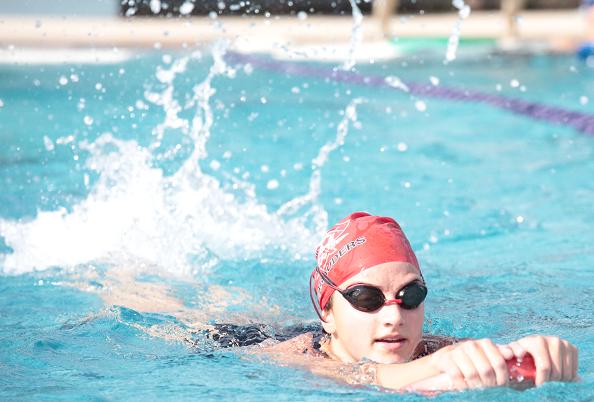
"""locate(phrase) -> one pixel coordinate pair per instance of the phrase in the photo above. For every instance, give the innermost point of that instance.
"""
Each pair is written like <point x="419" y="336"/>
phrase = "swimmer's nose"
<point x="392" y="314"/>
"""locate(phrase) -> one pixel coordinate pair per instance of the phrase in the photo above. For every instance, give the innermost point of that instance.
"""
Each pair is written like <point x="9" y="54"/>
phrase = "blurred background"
<point x="528" y="19"/>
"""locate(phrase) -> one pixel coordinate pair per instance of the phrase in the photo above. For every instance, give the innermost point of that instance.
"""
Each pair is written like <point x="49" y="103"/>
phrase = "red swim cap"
<point x="358" y="242"/>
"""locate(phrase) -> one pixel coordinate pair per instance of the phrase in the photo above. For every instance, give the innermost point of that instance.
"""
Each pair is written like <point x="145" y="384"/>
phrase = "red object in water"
<point x="522" y="370"/>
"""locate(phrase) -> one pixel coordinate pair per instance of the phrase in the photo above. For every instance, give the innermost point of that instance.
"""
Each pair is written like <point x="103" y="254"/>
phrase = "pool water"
<point x="214" y="177"/>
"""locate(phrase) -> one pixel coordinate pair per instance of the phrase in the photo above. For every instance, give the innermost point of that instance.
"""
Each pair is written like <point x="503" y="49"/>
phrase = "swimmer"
<point x="369" y="292"/>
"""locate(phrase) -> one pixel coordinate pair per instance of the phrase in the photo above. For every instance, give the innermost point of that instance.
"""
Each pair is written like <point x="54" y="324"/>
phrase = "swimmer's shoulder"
<point x="432" y="343"/>
<point x="304" y="344"/>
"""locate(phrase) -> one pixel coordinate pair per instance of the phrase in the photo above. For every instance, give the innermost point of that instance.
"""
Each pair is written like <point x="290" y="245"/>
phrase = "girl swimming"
<point x="369" y="292"/>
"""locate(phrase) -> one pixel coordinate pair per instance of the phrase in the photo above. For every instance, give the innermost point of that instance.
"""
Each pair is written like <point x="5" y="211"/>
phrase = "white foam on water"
<point x="180" y="224"/>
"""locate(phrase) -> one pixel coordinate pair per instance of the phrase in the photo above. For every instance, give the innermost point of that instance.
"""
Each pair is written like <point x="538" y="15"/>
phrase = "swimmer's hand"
<point x="555" y="359"/>
<point x="473" y="364"/>
<point x="469" y="364"/>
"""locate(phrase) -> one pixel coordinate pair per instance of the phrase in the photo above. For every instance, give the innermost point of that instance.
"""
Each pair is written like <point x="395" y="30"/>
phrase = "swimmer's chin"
<point x="388" y="359"/>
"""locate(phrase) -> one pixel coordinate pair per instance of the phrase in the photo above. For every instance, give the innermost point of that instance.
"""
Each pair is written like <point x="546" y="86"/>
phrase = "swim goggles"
<point x="369" y="298"/>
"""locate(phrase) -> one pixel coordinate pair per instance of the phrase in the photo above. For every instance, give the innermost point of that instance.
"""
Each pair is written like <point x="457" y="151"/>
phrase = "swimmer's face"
<point x="387" y="335"/>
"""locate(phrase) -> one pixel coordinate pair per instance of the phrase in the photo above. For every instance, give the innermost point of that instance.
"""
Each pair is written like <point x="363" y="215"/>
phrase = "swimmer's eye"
<point x="369" y="298"/>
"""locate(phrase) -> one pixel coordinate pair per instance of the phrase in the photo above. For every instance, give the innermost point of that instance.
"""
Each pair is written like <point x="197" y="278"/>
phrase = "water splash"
<point x="309" y="200"/>
<point x="454" y="40"/>
<point x="356" y="36"/>
<point x="182" y="224"/>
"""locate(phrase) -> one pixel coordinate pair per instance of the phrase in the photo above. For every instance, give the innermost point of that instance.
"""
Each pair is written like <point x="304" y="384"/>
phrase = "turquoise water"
<point x="223" y="201"/>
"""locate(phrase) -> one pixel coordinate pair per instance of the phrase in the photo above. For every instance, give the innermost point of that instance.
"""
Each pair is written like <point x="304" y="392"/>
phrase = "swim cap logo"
<point x="329" y="244"/>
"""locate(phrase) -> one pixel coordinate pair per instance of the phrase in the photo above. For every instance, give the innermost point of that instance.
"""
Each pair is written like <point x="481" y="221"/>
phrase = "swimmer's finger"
<point x="506" y="352"/>
<point x="572" y="355"/>
<point x="455" y="376"/>
<point x="567" y="363"/>
<point x="497" y="360"/>
<point x="517" y="349"/>
<point x="477" y="351"/>
<point x="556" y="349"/>
<point x="538" y="348"/>
<point x="467" y="360"/>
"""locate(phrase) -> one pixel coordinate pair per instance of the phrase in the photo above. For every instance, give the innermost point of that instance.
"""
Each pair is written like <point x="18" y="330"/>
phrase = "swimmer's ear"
<point x="328" y="322"/>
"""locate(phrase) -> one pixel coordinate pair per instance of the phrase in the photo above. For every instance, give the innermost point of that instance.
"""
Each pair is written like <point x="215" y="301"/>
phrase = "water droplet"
<point x="221" y="5"/>
<point x="186" y="8"/>
<point x="272" y="184"/>
<point x="584" y="100"/>
<point x="88" y="120"/>
<point x="295" y="90"/>
<point x="155" y="6"/>
<point x="519" y="219"/>
<point x="514" y="83"/>
<point x="338" y="201"/>
<point x="402" y="147"/>
<point x="1" y="103"/>
<point x="406" y="184"/>
<point x="47" y="142"/>
<point x="421" y="106"/>
<point x="140" y="105"/>
<point x="63" y="80"/>
<point x="74" y="77"/>
<point x="227" y="154"/>
<point x="263" y="100"/>
<point x="298" y="166"/>
<point x="264" y="169"/>
<point x="248" y="69"/>
<point x="98" y="86"/>
<point x="213" y="15"/>
<point x="302" y="15"/>
<point x="434" y="80"/>
<point x="396" y="82"/>
<point x="215" y="165"/>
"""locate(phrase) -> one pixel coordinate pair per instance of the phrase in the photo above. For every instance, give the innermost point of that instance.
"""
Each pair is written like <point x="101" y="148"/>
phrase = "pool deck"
<point x="556" y="30"/>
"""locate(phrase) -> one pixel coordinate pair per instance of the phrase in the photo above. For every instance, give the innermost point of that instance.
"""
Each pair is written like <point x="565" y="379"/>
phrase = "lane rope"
<point x="582" y="122"/>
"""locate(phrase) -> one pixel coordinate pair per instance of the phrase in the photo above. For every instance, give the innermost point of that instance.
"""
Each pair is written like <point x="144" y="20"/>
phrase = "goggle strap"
<point x="317" y="307"/>
<point x="325" y="278"/>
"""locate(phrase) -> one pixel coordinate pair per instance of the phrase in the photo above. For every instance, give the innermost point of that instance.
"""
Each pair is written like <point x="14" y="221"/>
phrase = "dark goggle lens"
<point x="369" y="298"/>
<point x="365" y="298"/>
<point x="412" y="295"/>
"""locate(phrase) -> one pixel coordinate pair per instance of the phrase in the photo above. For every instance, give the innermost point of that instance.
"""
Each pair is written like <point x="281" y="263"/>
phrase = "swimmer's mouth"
<point x="391" y="339"/>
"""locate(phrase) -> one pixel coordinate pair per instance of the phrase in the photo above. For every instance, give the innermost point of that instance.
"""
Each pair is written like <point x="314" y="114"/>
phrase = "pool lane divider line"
<point x="582" y="122"/>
